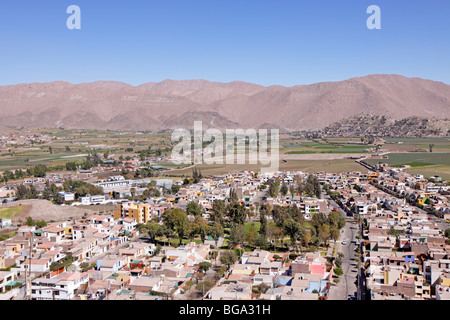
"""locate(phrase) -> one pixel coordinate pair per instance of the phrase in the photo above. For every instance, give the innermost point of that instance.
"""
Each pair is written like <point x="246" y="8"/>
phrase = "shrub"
<point x="204" y="286"/>
<point x="188" y="285"/>
<point x="447" y="233"/>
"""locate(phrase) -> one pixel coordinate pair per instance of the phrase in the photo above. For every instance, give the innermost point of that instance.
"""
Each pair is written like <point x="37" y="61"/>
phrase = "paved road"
<point x="334" y="205"/>
<point x="347" y="284"/>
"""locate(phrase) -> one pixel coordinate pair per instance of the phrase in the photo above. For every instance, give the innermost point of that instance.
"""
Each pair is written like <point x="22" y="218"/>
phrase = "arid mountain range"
<point x="170" y="104"/>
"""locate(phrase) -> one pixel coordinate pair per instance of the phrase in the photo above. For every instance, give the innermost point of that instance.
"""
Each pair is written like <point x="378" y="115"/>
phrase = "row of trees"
<point x="81" y="188"/>
<point x="278" y="222"/>
<point x="38" y="171"/>
<point x="175" y="223"/>
<point x="310" y="187"/>
<point x="92" y="160"/>
<point x="51" y="191"/>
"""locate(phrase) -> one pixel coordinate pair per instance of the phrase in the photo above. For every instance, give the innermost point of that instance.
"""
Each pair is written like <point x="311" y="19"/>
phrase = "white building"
<point x="62" y="287"/>
<point x="88" y="200"/>
<point x="6" y="277"/>
<point x="4" y="222"/>
<point x="68" y="196"/>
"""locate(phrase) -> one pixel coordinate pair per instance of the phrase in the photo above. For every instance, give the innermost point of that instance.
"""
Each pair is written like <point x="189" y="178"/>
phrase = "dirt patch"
<point x="400" y="148"/>
<point x="45" y="210"/>
<point x="321" y="156"/>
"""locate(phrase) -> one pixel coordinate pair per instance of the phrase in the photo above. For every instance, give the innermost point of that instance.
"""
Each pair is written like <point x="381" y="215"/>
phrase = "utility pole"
<point x="27" y="295"/>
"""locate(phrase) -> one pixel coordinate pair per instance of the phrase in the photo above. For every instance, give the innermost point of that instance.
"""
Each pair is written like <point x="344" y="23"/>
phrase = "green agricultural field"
<point x="310" y="166"/>
<point x="425" y="163"/>
<point x="432" y="170"/>
<point x="9" y="212"/>
<point x="414" y="157"/>
<point x="74" y="145"/>
<point x="419" y="140"/>
<point x="312" y="147"/>
<point x="412" y="164"/>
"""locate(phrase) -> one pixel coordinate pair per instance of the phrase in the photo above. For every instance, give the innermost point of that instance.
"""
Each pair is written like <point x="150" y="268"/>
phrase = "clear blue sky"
<point x="261" y="41"/>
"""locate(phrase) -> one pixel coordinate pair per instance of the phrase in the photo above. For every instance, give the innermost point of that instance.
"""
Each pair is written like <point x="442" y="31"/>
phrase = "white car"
<point x="344" y="242"/>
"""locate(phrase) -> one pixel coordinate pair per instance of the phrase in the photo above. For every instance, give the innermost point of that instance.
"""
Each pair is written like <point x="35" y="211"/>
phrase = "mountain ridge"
<point x="153" y="106"/>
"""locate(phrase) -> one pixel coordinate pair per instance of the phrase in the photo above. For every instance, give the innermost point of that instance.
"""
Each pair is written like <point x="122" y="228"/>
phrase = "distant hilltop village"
<point x="383" y="126"/>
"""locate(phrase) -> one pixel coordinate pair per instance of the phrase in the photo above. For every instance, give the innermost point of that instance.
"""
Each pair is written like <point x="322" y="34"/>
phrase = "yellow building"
<point x="373" y="175"/>
<point x="444" y="281"/>
<point x="139" y="211"/>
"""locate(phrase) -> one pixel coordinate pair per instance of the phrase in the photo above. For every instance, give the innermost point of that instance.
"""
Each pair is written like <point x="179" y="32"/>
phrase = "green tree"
<point x="324" y="232"/>
<point x="228" y="257"/>
<point x="216" y="231"/>
<point x="312" y="186"/>
<point x="30" y="222"/>
<point x="204" y="266"/>
<point x="447" y="233"/>
<point x="200" y="227"/>
<point x="197" y="175"/>
<point x="279" y="215"/>
<point x="193" y="208"/>
<point x="335" y="219"/>
<point x="237" y="235"/>
<point x="57" y="198"/>
<point x="251" y="234"/>
<point x="154" y="229"/>
<point x="176" y="219"/>
<point x="175" y="188"/>
<point x="71" y="166"/>
<point x="263" y="212"/>
<point x="334" y="233"/>
<point x="24" y="192"/>
<point x="18" y="174"/>
<point x="85" y="266"/>
<point x="274" y="188"/>
<point x="237" y="213"/>
<point x="218" y="211"/>
<point x="284" y="189"/>
<point x="294" y="230"/>
<point x="40" y="170"/>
